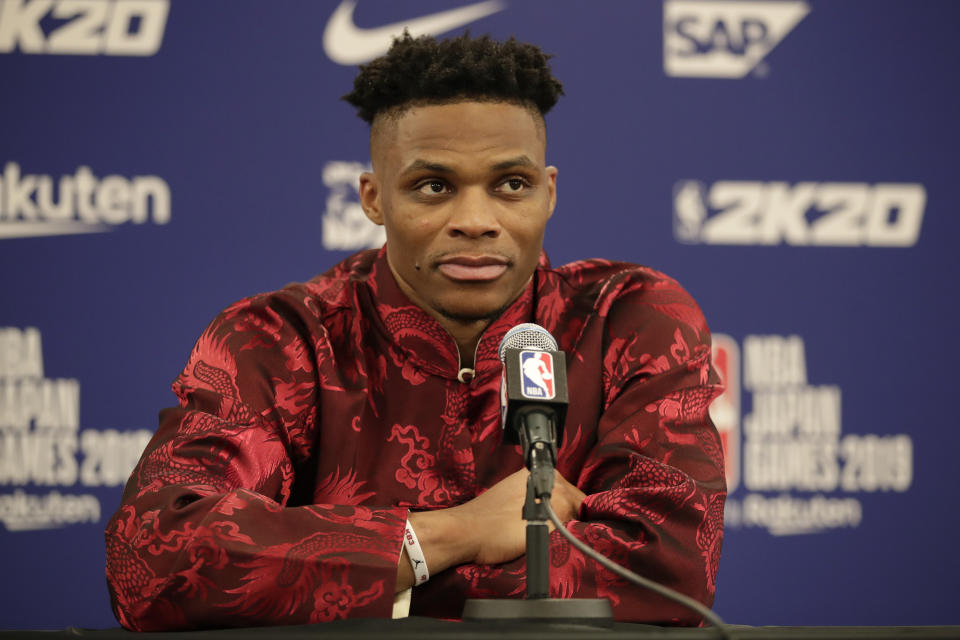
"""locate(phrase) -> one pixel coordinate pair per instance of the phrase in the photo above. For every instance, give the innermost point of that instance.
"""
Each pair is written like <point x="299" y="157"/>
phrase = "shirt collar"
<point x="425" y="343"/>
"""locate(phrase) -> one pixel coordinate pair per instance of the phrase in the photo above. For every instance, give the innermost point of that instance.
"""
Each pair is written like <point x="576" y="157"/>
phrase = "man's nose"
<point x="474" y="215"/>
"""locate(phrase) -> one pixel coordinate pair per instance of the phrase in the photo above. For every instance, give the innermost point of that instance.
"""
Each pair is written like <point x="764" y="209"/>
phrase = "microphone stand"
<point x="538" y="537"/>
<point x="538" y="439"/>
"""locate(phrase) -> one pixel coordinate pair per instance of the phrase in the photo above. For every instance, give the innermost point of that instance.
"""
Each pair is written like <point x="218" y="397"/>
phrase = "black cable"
<point x="666" y="592"/>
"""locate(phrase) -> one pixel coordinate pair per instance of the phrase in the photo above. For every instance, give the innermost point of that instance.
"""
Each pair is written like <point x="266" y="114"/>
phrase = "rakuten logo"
<point x="83" y="27"/>
<point x="707" y="39"/>
<point x="82" y="203"/>
<point x="846" y="214"/>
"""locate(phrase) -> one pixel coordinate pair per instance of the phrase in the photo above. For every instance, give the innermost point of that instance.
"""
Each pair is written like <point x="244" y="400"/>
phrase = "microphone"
<point x="533" y="397"/>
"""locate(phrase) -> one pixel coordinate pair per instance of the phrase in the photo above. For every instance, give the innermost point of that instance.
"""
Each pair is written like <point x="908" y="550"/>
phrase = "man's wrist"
<point x="445" y="539"/>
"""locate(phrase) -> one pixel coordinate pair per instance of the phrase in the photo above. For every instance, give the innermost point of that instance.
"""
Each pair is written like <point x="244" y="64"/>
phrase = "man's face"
<point x="465" y="195"/>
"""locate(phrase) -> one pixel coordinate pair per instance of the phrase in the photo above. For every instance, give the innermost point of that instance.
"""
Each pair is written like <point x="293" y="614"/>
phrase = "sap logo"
<point x="840" y="214"/>
<point x="707" y="39"/>
<point x="31" y="206"/>
<point x="345" y="225"/>
<point x="83" y="27"/>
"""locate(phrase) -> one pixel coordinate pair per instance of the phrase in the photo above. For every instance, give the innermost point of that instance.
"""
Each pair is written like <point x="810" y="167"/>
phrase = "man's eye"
<point x="513" y="185"/>
<point x="432" y="187"/>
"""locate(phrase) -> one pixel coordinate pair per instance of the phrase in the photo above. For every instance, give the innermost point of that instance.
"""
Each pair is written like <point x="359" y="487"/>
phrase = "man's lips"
<point x="472" y="268"/>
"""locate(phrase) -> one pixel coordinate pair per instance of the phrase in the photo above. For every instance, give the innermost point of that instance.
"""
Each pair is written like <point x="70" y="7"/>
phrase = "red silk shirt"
<point x="311" y="419"/>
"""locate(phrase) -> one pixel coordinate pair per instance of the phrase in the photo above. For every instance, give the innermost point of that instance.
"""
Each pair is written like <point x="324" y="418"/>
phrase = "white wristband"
<point x="417" y="562"/>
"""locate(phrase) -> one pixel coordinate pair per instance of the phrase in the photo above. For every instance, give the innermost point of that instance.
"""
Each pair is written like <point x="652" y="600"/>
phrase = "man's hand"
<point x="486" y="530"/>
<point x="496" y="529"/>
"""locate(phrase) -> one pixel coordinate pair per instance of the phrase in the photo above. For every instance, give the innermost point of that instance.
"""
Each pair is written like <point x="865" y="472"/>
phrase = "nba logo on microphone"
<point x="536" y="368"/>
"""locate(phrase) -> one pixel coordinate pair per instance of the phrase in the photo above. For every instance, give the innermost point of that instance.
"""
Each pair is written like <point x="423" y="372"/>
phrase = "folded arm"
<point x="210" y="531"/>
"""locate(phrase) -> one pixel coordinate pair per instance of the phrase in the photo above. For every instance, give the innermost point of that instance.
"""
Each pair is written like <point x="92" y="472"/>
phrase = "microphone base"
<point x="583" y="612"/>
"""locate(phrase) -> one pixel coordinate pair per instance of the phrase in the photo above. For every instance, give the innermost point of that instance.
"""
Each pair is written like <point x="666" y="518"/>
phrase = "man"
<point x="335" y="436"/>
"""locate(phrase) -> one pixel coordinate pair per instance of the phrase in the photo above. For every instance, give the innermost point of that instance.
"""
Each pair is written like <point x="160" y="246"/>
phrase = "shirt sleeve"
<point x="211" y="531"/>
<point x="654" y="476"/>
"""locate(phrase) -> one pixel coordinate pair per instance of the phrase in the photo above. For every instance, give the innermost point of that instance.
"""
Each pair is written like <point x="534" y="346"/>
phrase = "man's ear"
<point x="370" y="197"/>
<point x="551" y="189"/>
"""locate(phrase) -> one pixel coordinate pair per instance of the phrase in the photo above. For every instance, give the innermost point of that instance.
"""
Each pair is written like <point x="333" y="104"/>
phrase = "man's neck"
<point x="466" y="333"/>
<point x="467" y="336"/>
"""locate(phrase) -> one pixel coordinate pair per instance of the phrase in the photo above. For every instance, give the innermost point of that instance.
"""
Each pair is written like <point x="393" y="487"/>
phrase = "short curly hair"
<point x="424" y="70"/>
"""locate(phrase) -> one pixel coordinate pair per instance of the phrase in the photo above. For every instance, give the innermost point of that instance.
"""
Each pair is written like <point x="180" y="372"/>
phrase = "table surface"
<point x="416" y="628"/>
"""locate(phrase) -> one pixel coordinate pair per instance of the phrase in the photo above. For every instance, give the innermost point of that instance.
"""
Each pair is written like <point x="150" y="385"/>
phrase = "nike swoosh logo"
<point x="39" y="229"/>
<point x="346" y="43"/>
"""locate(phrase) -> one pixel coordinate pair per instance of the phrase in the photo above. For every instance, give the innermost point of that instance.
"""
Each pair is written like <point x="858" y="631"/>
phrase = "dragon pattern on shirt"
<point x="311" y="419"/>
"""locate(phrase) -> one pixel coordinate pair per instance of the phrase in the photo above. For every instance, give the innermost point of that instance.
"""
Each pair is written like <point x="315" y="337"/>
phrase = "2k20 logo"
<point x="830" y="214"/>
<point x="107" y="27"/>
<point x="714" y="39"/>
<point x="537" y="375"/>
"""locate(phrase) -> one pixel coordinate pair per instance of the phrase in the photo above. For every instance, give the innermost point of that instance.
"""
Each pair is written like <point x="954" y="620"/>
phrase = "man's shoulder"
<point x="324" y="295"/>
<point x="611" y="279"/>
<point x="337" y="287"/>
<point x="624" y="293"/>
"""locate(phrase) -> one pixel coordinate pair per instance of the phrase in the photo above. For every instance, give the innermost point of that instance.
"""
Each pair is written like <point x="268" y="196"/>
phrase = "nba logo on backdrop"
<point x="725" y="410"/>
<point x="537" y="375"/>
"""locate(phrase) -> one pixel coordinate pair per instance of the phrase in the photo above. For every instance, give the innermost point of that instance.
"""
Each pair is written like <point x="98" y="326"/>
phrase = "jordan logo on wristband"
<point x="420" y="573"/>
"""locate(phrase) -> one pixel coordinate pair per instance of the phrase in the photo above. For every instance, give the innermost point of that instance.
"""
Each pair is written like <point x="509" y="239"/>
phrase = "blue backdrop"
<point x="791" y="162"/>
